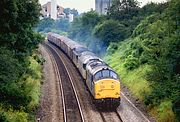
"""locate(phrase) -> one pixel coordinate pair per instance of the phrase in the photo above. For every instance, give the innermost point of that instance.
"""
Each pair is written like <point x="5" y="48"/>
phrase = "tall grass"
<point x="136" y="82"/>
<point x="134" y="79"/>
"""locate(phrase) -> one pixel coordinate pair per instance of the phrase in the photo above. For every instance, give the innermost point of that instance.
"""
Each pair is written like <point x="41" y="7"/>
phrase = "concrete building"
<point x="102" y="6"/>
<point x="56" y="12"/>
<point x="53" y="9"/>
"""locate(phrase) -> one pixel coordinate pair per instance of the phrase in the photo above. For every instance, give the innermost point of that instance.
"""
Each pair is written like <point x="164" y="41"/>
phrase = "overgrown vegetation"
<point x="149" y="60"/>
<point x="20" y="70"/>
<point x="49" y="25"/>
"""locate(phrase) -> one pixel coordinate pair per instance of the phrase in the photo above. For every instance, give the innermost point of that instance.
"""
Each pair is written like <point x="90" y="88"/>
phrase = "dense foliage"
<point x="109" y="31"/>
<point x="18" y="89"/>
<point x="60" y="26"/>
<point x="154" y="45"/>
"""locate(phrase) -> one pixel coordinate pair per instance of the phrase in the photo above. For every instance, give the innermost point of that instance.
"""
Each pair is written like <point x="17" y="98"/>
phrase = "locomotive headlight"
<point x="112" y="86"/>
<point x="117" y="93"/>
<point x="98" y="94"/>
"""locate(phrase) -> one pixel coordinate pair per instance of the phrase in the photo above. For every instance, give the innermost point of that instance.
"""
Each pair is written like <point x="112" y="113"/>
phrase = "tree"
<point x="62" y="24"/>
<point x="44" y="24"/>
<point x="73" y="11"/>
<point x="67" y="11"/>
<point x="109" y="31"/>
<point x="81" y="27"/>
<point x="151" y="8"/>
<point x="127" y="13"/>
<point x="17" y="41"/>
<point x="17" y="18"/>
<point x="90" y="19"/>
<point x="123" y="9"/>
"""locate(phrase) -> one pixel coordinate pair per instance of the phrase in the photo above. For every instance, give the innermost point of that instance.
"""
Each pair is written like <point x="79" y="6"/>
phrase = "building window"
<point x="45" y="9"/>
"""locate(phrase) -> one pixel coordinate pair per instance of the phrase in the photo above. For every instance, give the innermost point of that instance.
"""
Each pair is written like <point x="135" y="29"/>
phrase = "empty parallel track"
<point x="71" y="105"/>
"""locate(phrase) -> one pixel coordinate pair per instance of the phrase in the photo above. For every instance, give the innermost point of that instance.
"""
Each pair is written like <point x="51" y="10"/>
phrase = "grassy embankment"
<point x="135" y="80"/>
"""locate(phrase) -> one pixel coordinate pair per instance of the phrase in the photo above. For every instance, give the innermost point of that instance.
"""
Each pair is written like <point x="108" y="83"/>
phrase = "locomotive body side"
<point x="83" y="60"/>
<point x="77" y="53"/>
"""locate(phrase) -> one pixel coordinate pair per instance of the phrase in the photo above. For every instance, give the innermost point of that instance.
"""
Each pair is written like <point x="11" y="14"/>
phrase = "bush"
<point x="19" y="94"/>
<point x="131" y="63"/>
<point x="176" y="107"/>
<point x="112" y="48"/>
<point x="3" y="117"/>
<point x="163" y="112"/>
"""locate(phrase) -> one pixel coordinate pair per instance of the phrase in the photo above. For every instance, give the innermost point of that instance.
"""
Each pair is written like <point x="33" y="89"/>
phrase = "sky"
<point x="85" y="5"/>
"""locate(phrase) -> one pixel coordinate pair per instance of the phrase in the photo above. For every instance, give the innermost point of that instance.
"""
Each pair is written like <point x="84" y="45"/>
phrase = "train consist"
<point x="102" y="82"/>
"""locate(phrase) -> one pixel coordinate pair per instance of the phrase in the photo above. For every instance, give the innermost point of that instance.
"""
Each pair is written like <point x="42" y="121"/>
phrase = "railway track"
<point x="107" y="116"/>
<point x="71" y="106"/>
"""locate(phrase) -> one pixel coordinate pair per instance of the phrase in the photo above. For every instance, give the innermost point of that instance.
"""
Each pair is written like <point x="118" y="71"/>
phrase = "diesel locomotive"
<point x="102" y="81"/>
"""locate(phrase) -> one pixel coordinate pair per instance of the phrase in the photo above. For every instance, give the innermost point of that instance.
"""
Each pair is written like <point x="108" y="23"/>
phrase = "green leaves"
<point x="10" y="71"/>
<point x="17" y="18"/>
<point x="109" y="31"/>
<point x="9" y="67"/>
<point x="17" y="41"/>
<point x="123" y="9"/>
<point x="90" y="19"/>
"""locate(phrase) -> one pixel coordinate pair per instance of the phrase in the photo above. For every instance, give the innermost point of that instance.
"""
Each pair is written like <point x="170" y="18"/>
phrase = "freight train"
<point x="102" y="82"/>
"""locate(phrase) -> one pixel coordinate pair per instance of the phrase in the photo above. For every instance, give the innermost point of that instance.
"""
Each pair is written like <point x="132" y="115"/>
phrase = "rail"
<point x="60" y="62"/>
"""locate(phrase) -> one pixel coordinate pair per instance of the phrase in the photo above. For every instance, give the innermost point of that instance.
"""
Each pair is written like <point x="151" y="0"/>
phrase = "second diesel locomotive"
<point x="102" y="82"/>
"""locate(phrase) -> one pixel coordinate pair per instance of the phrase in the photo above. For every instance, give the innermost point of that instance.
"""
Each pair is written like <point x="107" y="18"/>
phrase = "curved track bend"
<point x="71" y="106"/>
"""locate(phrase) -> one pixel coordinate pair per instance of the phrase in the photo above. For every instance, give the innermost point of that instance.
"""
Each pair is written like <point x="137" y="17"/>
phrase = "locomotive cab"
<point x="107" y="84"/>
<point x="106" y="89"/>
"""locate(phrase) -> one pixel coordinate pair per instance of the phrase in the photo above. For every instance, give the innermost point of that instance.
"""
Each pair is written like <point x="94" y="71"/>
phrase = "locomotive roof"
<point x="70" y="43"/>
<point x="97" y="65"/>
<point x="86" y="56"/>
<point x="55" y="35"/>
<point x="99" y="68"/>
<point x="79" y="50"/>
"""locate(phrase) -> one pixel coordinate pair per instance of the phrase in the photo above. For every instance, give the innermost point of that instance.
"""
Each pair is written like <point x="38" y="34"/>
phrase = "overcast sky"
<point x="85" y="5"/>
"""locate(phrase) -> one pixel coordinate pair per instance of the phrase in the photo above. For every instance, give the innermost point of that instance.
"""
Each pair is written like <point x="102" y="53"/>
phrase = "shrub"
<point x="3" y="117"/>
<point x="131" y="62"/>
